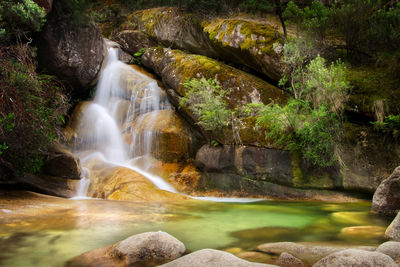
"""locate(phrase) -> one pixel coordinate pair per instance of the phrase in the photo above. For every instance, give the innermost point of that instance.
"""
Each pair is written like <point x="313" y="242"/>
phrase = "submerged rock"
<point x="212" y="258"/>
<point x="393" y="231"/>
<point x="146" y="249"/>
<point x="386" y="199"/>
<point x="356" y="257"/>
<point x="74" y="55"/>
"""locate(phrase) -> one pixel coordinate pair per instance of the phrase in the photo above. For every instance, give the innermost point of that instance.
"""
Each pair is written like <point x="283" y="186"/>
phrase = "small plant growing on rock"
<point x="205" y="98"/>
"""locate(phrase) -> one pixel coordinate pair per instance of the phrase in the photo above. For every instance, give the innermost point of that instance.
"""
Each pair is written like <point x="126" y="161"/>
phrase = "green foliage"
<point x="370" y="28"/>
<point x="137" y="57"/>
<point x="391" y="125"/>
<point x="313" y="19"/>
<point x="71" y="13"/>
<point x="315" y="82"/>
<point x="18" y="18"/>
<point x="205" y="98"/>
<point x="303" y="129"/>
<point x="31" y="108"/>
<point x="310" y="122"/>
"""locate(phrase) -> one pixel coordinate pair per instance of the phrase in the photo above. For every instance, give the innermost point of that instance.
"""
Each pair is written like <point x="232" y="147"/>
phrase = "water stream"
<point x="123" y="94"/>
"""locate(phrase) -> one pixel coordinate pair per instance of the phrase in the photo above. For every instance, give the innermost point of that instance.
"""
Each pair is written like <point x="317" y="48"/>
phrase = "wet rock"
<point x="122" y="55"/>
<point x="246" y="42"/>
<point x="356" y="257"/>
<point x="74" y="55"/>
<point x="390" y="248"/>
<point x="133" y="41"/>
<point x="118" y="183"/>
<point x="393" y="231"/>
<point x="146" y="249"/>
<point x="51" y="185"/>
<point x="212" y="258"/>
<point x="62" y="163"/>
<point x="175" y="67"/>
<point x="288" y="260"/>
<point x="174" y="140"/>
<point x="386" y="199"/>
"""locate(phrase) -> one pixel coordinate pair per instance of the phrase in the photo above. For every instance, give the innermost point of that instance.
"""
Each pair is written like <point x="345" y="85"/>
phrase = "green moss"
<point x="370" y="84"/>
<point x="255" y="35"/>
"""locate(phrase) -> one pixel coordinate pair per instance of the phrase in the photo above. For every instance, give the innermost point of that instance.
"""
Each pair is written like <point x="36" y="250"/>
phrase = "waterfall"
<point x="123" y="94"/>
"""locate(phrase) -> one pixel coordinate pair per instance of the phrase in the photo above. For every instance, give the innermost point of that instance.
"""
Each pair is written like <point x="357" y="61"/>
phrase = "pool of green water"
<point x="48" y="234"/>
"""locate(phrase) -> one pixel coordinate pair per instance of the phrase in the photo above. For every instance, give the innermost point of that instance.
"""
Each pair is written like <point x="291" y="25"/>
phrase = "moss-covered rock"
<point x="175" y="67"/>
<point x="255" y="45"/>
<point x="375" y="92"/>
<point x="134" y="41"/>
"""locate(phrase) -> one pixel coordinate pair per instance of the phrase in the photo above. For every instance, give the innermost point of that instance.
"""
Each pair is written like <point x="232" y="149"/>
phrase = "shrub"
<point x="310" y="122"/>
<point x="205" y="98"/>
<point x="31" y="109"/>
<point x="19" y="18"/>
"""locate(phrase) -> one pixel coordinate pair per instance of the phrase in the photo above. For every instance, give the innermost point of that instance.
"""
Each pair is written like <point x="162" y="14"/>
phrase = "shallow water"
<point x="47" y="232"/>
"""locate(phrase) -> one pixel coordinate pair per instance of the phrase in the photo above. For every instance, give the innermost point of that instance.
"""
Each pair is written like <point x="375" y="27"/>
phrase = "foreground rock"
<point x="246" y="42"/>
<point x="309" y="254"/>
<point x="74" y="55"/>
<point x="288" y="260"/>
<point x="386" y="199"/>
<point x="393" y="231"/>
<point x="356" y="257"/>
<point x="212" y="258"/>
<point x="146" y="249"/>
<point x="390" y="248"/>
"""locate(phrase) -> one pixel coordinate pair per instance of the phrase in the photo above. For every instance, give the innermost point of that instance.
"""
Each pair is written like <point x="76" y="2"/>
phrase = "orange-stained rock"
<point x="173" y="139"/>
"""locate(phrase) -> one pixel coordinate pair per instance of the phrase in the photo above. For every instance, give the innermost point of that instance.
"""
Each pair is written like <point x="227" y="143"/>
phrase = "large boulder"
<point x="175" y="67"/>
<point x="133" y="41"/>
<point x="255" y="45"/>
<point x="146" y="249"/>
<point x="62" y="163"/>
<point x="386" y="199"/>
<point x="74" y="55"/>
<point x="212" y="258"/>
<point x="390" y="248"/>
<point x="393" y="231"/>
<point x="356" y="257"/>
<point x="119" y="183"/>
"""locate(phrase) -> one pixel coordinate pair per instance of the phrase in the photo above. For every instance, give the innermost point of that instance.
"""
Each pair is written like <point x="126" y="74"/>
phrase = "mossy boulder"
<point x="134" y="41"/>
<point x="253" y="44"/>
<point x="175" y="67"/>
<point x="375" y="92"/>
<point x="249" y="43"/>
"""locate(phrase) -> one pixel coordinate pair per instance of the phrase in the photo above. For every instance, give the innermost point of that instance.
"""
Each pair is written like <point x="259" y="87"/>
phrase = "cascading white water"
<point x="122" y="95"/>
